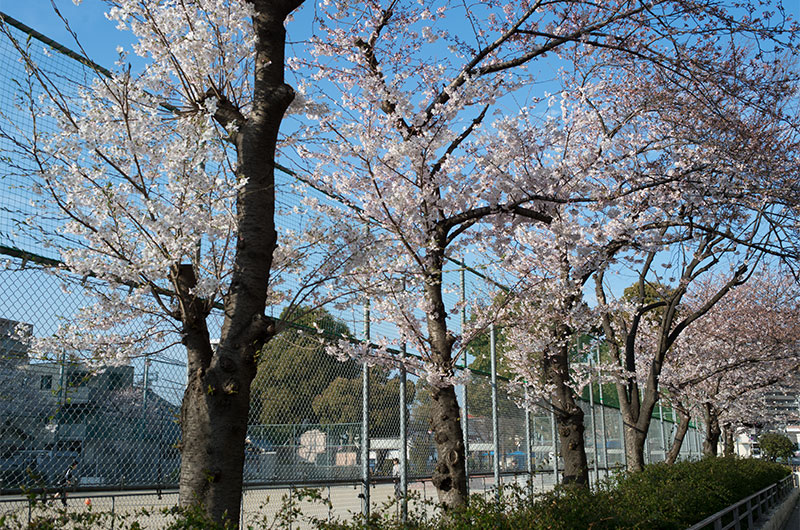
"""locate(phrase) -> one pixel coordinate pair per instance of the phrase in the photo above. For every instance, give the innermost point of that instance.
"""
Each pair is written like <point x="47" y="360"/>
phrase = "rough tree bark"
<point x="727" y="440"/>
<point x="569" y="419"/>
<point x="680" y="435"/>
<point x="215" y="406"/>
<point x="713" y="430"/>
<point x="449" y="476"/>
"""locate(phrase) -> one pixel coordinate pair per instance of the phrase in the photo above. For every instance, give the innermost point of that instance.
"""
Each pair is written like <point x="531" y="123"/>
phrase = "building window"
<point x="46" y="382"/>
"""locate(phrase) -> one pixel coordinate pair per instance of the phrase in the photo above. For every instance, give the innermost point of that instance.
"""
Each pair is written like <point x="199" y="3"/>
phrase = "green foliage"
<point x="298" y="383"/>
<point x="662" y="497"/>
<point x="654" y="293"/>
<point x="294" y="369"/>
<point x="677" y="496"/>
<point x="774" y="446"/>
<point x="340" y="402"/>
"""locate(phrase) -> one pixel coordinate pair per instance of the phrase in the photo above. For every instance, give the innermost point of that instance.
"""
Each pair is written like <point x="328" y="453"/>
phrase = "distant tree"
<point x="725" y="361"/>
<point x="341" y="402"/>
<point x="775" y="446"/>
<point x="293" y="370"/>
<point x="479" y="388"/>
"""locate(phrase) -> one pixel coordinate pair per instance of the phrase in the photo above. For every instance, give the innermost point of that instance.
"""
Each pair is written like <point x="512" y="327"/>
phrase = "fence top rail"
<point x="711" y="518"/>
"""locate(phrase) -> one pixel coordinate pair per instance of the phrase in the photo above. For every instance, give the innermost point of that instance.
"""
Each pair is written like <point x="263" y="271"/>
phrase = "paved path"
<point x="794" y="520"/>
<point x="259" y="506"/>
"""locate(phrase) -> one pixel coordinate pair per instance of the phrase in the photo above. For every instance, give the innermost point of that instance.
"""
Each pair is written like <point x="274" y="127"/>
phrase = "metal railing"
<point x="746" y="512"/>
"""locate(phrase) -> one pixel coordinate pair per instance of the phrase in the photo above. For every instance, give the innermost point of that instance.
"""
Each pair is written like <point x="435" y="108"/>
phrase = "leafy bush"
<point x="662" y="497"/>
<point x="775" y="445"/>
<point x="679" y="495"/>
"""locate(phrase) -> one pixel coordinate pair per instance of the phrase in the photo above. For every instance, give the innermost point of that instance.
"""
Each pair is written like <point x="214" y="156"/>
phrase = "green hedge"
<point x="661" y="497"/>
<point x="684" y="493"/>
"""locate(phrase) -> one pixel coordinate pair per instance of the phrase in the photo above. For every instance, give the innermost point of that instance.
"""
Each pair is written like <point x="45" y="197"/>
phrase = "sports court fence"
<point x="307" y="424"/>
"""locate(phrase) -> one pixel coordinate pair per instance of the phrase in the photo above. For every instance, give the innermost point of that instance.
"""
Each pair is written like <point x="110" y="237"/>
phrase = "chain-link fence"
<point x="118" y="422"/>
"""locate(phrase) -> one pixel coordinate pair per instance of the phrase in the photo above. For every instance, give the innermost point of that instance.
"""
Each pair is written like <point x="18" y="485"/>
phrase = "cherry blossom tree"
<point x="415" y="139"/>
<point x="673" y="197"/>
<point x="746" y="345"/>
<point x="162" y="181"/>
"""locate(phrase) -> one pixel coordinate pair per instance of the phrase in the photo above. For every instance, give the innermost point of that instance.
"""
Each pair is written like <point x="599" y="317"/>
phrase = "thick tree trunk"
<point x="711" y="442"/>
<point x="713" y="431"/>
<point x="214" y="411"/>
<point x="214" y="426"/>
<point x="680" y="434"/>
<point x="216" y="403"/>
<point x="635" y="440"/>
<point x="450" y="475"/>
<point x="637" y="413"/>
<point x="727" y="440"/>
<point x="569" y="420"/>
<point x="635" y="436"/>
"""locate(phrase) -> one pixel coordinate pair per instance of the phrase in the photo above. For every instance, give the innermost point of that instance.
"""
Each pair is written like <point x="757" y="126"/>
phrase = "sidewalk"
<point x="794" y="520"/>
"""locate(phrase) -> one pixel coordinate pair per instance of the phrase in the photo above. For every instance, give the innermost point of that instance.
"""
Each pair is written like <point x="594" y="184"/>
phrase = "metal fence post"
<point x="623" y="444"/>
<point x="554" y="437"/>
<point x="603" y="439"/>
<point x="330" y="504"/>
<point x="495" y="419"/>
<point x="646" y="451"/>
<point x="241" y="506"/>
<point x="365" y="421"/>
<point x="465" y="408"/>
<point x="142" y="427"/>
<point x="663" y="437"/>
<point x="528" y="442"/>
<point x="594" y="425"/>
<point x="403" y="478"/>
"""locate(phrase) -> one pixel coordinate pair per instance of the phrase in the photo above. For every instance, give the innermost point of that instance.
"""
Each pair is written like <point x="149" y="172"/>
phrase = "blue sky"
<point x="98" y="35"/>
<point x="100" y="39"/>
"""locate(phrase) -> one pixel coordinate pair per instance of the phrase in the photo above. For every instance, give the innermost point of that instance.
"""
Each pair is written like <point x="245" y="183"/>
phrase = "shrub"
<point x="775" y="445"/>
<point x="662" y="497"/>
<point x="679" y="495"/>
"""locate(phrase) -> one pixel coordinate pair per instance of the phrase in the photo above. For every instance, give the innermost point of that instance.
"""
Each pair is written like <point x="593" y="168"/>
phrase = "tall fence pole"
<point x="663" y="437"/>
<point x="528" y="441"/>
<point x="594" y="424"/>
<point x="365" y="421"/>
<point x="62" y="396"/>
<point x="646" y="454"/>
<point x="495" y="419"/>
<point x="623" y="444"/>
<point x="403" y="440"/>
<point x="143" y="417"/>
<point x="554" y="437"/>
<point x="465" y="408"/>
<point x="603" y="439"/>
